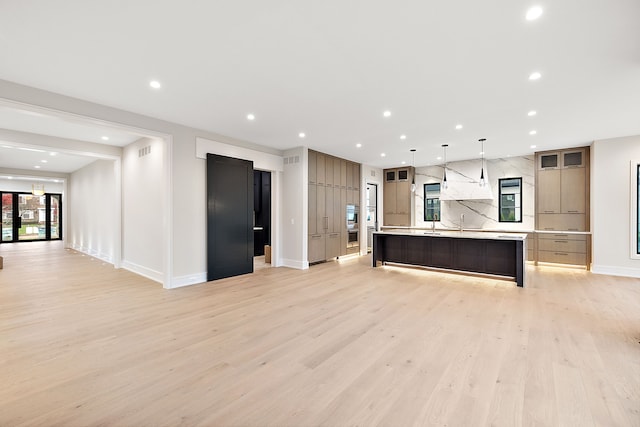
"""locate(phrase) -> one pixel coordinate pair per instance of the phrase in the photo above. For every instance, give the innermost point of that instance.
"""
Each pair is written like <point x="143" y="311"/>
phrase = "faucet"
<point x="461" y="221"/>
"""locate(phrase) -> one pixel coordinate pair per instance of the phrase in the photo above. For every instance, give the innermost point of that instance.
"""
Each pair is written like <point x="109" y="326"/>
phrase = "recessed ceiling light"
<point x="535" y="75"/>
<point x="251" y="117"/>
<point x="302" y="135"/>
<point x="532" y="113"/>
<point x="439" y="158"/>
<point x="155" y="84"/>
<point x="481" y="153"/>
<point x="403" y="136"/>
<point x="53" y="153"/>
<point x="358" y="145"/>
<point x="387" y="113"/>
<point x="534" y="13"/>
<point x="43" y="161"/>
<point x="37" y="166"/>
<point x="532" y="132"/>
<point x="105" y="138"/>
<point x="9" y="177"/>
<point x="383" y="155"/>
<point x="403" y="162"/>
<point x="55" y="180"/>
<point x="533" y="146"/>
<point x="458" y="127"/>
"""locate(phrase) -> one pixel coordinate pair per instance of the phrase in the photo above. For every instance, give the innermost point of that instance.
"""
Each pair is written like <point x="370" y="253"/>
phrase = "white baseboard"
<point x="93" y="253"/>
<point x="191" y="279"/>
<point x="292" y="263"/>
<point x="154" y="275"/>
<point x="615" y="271"/>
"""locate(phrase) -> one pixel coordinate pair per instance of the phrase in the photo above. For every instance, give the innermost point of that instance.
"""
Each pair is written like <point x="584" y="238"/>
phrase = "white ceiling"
<point x="331" y="68"/>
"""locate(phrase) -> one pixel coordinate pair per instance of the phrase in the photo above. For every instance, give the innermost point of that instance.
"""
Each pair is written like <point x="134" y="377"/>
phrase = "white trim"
<point x="293" y="263"/>
<point x="633" y="210"/>
<point x="189" y="280"/>
<point x="260" y="159"/>
<point x="117" y="206"/>
<point x="167" y="213"/>
<point x="615" y="271"/>
<point x="92" y="253"/>
<point x="154" y="275"/>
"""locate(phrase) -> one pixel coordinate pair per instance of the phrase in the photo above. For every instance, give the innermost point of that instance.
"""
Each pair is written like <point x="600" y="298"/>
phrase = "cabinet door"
<point x="329" y="209"/>
<point x="321" y="161"/>
<point x="336" y="172"/>
<point x="313" y="209"/>
<point x="549" y="161"/>
<point x="328" y="168"/>
<point x="316" y="248"/>
<point x="321" y="209"/>
<point x="312" y="166"/>
<point x="389" y="197"/>
<point x="349" y="176"/>
<point x="549" y="191"/>
<point x="403" y="197"/>
<point x="333" y="245"/>
<point x="356" y="175"/>
<point x="343" y="235"/>
<point x="343" y="173"/>
<point x="573" y="190"/>
<point x="339" y="212"/>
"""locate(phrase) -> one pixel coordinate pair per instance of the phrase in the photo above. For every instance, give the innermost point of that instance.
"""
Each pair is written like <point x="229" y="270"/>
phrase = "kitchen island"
<point x="501" y="254"/>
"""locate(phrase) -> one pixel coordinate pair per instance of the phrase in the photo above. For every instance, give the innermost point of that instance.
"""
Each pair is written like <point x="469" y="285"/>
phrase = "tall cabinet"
<point x="333" y="183"/>
<point x="562" y="206"/>
<point x="397" y="196"/>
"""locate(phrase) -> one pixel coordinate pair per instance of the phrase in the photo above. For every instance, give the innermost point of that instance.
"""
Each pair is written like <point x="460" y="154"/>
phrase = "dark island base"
<point x="489" y="256"/>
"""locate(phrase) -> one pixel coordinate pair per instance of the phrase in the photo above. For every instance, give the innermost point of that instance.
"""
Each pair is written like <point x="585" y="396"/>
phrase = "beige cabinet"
<point x="328" y="197"/>
<point x="397" y="204"/>
<point x="562" y="204"/>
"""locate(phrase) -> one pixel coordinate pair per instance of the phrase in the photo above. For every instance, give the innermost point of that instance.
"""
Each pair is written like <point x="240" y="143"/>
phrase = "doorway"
<point x="372" y="213"/>
<point x="261" y="218"/>
<point x="29" y="217"/>
<point x="229" y="217"/>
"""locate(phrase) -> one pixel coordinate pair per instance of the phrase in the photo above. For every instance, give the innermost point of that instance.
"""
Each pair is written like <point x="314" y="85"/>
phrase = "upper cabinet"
<point x="562" y="159"/>
<point x="397" y="196"/>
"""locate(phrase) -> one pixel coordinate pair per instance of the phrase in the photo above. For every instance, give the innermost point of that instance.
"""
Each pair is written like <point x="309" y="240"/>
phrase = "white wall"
<point x="295" y="208"/>
<point x="479" y="213"/>
<point x="92" y="223"/>
<point x="184" y="182"/>
<point x="17" y="185"/>
<point x="369" y="175"/>
<point x="610" y="205"/>
<point x="142" y="208"/>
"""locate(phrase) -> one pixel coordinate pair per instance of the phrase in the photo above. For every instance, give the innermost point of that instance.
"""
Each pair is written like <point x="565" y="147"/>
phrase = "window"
<point x="432" y="202"/>
<point x="25" y="218"/>
<point x="510" y="200"/>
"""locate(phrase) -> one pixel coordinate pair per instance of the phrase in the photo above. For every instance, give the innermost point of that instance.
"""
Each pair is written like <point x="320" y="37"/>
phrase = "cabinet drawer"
<point x="562" y="257"/>
<point x="568" y="222"/>
<point x="562" y="236"/>
<point x="562" y="245"/>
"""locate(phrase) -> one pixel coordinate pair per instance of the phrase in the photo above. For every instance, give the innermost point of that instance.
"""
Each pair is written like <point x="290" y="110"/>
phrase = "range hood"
<point x="466" y="190"/>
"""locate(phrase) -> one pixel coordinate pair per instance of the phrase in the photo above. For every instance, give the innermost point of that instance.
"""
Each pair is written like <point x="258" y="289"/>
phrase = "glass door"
<point x="32" y="217"/>
<point x="7" y="217"/>
<point x="27" y="217"/>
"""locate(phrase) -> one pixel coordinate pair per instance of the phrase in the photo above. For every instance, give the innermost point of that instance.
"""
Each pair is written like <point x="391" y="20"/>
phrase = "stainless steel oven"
<point x="353" y="240"/>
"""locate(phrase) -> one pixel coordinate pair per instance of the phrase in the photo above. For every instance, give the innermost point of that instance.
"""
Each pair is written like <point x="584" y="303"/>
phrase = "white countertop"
<point x="457" y="234"/>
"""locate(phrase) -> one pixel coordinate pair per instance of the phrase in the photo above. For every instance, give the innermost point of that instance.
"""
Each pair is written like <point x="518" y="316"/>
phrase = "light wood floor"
<point x="340" y="344"/>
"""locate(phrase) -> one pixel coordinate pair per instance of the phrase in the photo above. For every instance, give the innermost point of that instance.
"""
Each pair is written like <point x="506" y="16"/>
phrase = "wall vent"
<point x="291" y="160"/>
<point x="373" y="173"/>
<point x="144" y="151"/>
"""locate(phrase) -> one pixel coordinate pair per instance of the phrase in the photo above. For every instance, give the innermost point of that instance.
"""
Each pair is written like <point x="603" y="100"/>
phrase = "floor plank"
<point x="339" y="344"/>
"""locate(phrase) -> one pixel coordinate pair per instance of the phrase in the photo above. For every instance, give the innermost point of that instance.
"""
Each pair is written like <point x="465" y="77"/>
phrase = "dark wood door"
<point x="229" y="217"/>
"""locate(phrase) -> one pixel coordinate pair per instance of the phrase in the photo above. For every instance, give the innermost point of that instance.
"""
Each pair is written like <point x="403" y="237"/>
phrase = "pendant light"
<point x="37" y="189"/>
<point x="482" y="181"/>
<point x="444" y="174"/>
<point x="413" y="176"/>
